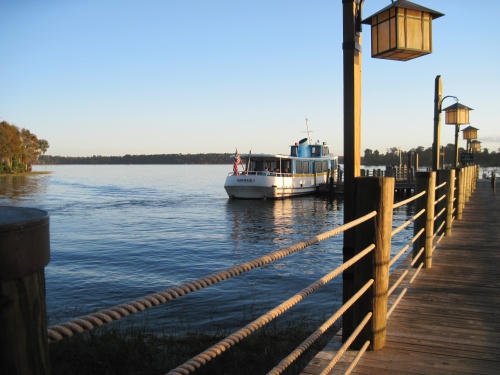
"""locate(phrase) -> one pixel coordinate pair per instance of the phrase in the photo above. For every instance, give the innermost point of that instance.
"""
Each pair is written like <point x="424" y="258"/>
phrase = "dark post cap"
<point x="24" y="241"/>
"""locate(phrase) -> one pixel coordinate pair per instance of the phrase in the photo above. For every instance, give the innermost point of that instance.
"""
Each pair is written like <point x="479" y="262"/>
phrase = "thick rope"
<point x="411" y="199"/>
<point x="347" y="344"/>
<point x="212" y="352"/>
<point x="287" y="361"/>
<point x="89" y="322"/>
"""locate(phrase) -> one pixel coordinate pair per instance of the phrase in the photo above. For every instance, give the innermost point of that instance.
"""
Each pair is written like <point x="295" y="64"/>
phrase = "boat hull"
<point x="271" y="186"/>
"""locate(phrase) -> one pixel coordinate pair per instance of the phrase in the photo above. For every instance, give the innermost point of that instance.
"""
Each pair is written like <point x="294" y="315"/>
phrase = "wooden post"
<point x="449" y="202"/>
<point x="24" y="252"/>
<point x="438" y="89"/>
<point x="351" y="46"/>
<point x="460" y="190"/>
<point x="466" y="184"/>
<point x="425" y="181"/>
<point x="373" y="193"/>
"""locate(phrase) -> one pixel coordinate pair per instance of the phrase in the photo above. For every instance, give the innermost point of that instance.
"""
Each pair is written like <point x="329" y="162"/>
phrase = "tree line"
<point x="20" y="149"/>
<point x="395" y="156"/>
<point x="140" y="159"/>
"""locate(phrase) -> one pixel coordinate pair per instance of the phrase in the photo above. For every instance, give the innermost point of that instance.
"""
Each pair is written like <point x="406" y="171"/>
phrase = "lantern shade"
<point x="457" y="114"/>
<point x="402" y="31"/>
<point x="470" y="132"/>
<point x="475" y="146"/>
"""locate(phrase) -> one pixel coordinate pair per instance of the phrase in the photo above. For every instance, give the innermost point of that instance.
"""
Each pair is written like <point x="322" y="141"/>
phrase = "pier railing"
<point x="368" y="297"/>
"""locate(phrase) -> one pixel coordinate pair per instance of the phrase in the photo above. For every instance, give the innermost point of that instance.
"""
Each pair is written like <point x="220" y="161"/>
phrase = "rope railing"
<point x="406" y="247"/>
<point x="287" y="361"/>
<point x="89" y="322"/>
<point x="442" y="197"/>
<point x="346" y="345"/>
<point x="440" y="186"/>
<point x="440" y="213"/>
<point x="406" y="223"/>
<point x="409" y="200"/>
<point x="219" y="348"/>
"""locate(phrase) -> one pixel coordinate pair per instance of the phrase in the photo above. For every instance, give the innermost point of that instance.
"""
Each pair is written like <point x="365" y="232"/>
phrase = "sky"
<point x="117" y="77"/>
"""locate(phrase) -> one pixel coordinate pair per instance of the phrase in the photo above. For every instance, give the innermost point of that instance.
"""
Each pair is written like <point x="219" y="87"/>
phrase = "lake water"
<point x="122" y="232"/>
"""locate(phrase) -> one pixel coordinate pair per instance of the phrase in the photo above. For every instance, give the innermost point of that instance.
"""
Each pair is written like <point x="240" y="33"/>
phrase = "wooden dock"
<point x="449" y="320"/>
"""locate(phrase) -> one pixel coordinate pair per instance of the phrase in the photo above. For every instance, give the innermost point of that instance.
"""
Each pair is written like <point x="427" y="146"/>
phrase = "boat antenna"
<point x="307" y="129"/>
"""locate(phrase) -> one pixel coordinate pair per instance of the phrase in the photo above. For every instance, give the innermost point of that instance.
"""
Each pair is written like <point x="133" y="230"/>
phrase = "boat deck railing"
<point x="262" y="173"/>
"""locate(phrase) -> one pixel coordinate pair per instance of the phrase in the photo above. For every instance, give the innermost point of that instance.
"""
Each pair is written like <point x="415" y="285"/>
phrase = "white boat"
<point x="275" y="176"/>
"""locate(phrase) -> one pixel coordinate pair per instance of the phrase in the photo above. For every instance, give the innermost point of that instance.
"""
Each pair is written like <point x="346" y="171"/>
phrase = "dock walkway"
<point x="449" y="320"/>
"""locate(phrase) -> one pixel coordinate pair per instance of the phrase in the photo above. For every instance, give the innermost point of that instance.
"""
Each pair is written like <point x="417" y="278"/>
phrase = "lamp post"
<point x="401" y="31"/>
<point x="438" y="102"/>
<point x="457" y="114"/>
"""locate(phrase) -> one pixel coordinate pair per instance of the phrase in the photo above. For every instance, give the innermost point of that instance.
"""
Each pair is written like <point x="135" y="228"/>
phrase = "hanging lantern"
<point x="457" y="114"/>
<point x="470" y="133"/>
<point x="475" y="146"/>
<point x="402" y="31"/>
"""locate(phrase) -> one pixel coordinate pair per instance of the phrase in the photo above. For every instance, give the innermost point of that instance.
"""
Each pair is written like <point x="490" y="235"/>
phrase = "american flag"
<point x="237" y="160"/>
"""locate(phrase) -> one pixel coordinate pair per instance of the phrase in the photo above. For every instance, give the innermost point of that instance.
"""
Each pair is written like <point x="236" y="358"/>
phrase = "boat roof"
<point x="282" y="156"/>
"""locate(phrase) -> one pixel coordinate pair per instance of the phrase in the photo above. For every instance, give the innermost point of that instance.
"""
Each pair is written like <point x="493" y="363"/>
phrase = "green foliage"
<point x="19" y="148"/>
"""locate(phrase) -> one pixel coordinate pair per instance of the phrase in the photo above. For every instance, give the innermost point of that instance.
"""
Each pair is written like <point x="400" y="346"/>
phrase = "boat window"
<point x="305" y="167"/>
<point x="315" y="150"/>
<point x="259" y="165"/>
<point x="319" y="166"/>
<point x="298" y="167"/>
<point x="293" y="151"/>
<point x="286" y="166"/>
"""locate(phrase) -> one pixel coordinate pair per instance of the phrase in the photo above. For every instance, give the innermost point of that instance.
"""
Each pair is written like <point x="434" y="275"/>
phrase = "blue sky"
<point x="116" y="77"/>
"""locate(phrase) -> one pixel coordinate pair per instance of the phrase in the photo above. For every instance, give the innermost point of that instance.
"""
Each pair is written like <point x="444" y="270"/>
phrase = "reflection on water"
<point x="19" y="188"/>
<point x="281" y="222"/>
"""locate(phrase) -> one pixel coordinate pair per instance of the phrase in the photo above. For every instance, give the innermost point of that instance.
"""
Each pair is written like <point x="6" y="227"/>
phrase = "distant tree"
<point x="43" y="145"/>
<point x="31" y="149"/>
<point x="10" y="145"/>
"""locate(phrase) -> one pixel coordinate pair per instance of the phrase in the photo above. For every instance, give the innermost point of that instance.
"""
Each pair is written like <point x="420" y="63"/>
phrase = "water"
<point x="125" y="231"/>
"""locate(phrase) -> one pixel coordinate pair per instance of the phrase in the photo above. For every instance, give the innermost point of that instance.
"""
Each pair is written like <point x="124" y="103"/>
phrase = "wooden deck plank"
<point x="448" y="322"/>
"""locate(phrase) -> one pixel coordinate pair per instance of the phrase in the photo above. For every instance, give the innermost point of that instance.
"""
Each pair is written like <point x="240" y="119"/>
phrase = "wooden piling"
<point x="425" y="181"/>
<point x="24" y="252"/>
<point x="373" y="193"/>
<point x="461" y="193"/>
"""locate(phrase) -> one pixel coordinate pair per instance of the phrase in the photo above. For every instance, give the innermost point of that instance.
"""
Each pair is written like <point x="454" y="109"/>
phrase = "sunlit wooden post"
<point x="425" y="181"/>
<point x="467" y="185"/>
<point x="449" y="202"/>
<point x="24" y="252"/>
<point x="461" y="193"/>
<point x="373" y="193"/>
